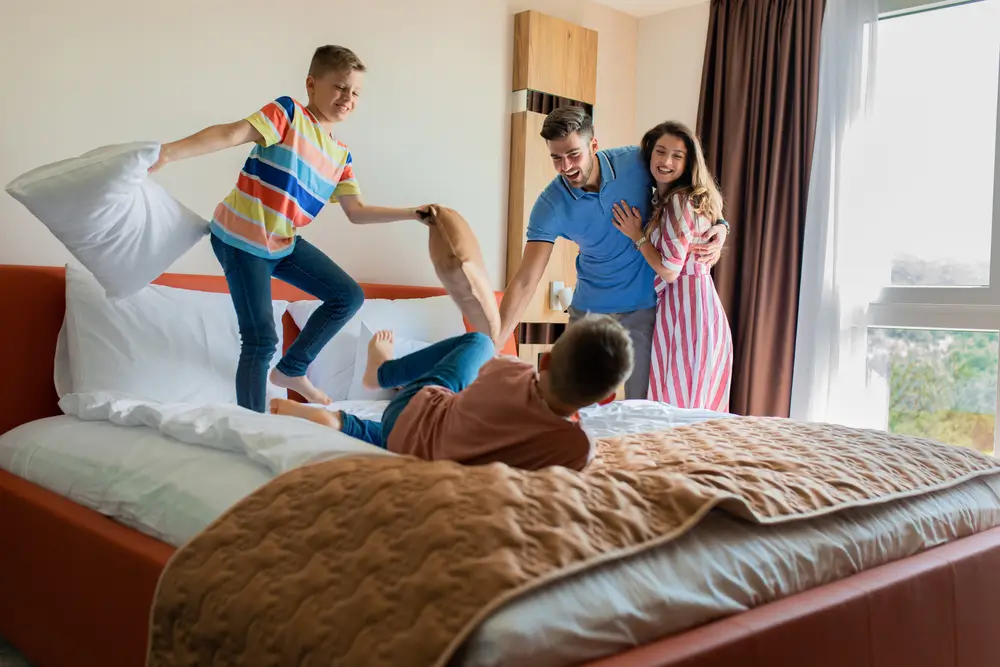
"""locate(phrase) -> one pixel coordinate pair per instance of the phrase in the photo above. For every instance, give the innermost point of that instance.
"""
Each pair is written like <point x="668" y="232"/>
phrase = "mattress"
<point x="171" y="490"/>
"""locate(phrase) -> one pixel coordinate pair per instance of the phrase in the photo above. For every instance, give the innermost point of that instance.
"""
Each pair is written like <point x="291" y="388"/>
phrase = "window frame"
<point x="973" y="296"/>
<point x="949" y="308"/>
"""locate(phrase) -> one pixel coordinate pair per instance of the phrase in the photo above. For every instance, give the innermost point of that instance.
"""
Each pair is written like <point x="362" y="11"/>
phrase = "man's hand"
<point x="709" y="246"/>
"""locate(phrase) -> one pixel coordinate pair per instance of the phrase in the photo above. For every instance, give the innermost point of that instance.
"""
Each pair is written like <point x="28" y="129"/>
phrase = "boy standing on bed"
<point x="295" y="167"/>
<point x="459" y="402"/>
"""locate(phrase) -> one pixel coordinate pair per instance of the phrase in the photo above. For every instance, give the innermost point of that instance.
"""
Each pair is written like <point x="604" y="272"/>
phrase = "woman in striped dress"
<point x="692" y="358"/>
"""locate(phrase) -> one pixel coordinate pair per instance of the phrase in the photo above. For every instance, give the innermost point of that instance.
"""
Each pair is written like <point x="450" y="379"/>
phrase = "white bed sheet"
<point x="171" y="490"/>
<point x="135" y="475"/>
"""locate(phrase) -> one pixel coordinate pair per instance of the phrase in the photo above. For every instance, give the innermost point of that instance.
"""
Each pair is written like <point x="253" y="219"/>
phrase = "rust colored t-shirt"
<point x="501" y="417"/>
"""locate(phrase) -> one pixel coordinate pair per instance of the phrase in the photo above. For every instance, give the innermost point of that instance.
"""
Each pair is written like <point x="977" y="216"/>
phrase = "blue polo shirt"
<point x="612" y="276"/>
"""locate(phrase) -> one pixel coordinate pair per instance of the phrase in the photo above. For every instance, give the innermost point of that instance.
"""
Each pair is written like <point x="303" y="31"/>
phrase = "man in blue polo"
<point x="612" y="275"/>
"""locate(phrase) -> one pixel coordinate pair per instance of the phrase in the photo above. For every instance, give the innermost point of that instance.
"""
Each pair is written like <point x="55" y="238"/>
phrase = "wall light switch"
<point x="554" y="289"/>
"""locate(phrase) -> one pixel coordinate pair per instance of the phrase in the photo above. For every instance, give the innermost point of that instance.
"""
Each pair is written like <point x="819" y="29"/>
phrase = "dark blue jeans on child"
<point x="453" y="364"/>
<point x="249" y="279"/>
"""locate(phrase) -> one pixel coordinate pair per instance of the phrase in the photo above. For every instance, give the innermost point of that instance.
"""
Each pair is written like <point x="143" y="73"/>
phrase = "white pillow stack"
<point x="160" y="344"/>
<point x="118" y="223"/>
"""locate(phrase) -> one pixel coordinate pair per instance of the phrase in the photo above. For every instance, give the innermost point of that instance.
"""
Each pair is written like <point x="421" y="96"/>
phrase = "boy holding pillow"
<point x="295" y="167"/>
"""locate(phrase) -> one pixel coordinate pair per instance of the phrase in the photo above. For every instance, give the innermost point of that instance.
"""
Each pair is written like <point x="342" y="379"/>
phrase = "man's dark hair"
<point x="564" y="121"/>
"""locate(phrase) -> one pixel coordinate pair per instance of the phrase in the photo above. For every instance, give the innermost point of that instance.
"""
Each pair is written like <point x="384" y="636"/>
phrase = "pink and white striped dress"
<point x="692" y="360"/>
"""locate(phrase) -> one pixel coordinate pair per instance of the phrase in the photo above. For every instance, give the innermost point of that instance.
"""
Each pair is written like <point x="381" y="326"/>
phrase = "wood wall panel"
<point x="555" y="57"/>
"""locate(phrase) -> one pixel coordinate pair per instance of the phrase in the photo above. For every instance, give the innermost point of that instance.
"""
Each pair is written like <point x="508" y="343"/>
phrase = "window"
<point x="939" y="383"/>
<point x="932" y="200"/>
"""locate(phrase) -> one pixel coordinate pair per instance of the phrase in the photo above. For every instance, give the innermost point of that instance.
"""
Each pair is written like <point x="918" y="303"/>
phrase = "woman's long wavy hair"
<point x="696" y="183"/>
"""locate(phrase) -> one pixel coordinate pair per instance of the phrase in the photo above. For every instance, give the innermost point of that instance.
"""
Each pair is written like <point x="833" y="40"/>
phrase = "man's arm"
<point x="709" y="250"/>
<point x="209" y="140"/>
<point x="522" y="286"/>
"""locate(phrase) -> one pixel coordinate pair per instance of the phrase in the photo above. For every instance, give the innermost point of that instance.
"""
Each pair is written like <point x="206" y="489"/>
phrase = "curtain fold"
<point x="841" y="274"/>
<point x="756" y="119"/>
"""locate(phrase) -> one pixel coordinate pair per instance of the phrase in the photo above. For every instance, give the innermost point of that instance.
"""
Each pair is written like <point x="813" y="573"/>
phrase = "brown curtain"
<point x="757" y="118"/>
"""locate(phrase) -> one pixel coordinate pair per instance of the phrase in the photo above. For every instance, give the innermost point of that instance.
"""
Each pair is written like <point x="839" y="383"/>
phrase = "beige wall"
<point x="432" y="126"/>
<point x="671" y="52"/>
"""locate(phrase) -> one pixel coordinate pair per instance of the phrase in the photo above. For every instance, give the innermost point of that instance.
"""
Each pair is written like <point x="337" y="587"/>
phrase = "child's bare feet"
<point x="300" y="385"/>
<point x="284" y="406"/>
<point x="380" y="350"/>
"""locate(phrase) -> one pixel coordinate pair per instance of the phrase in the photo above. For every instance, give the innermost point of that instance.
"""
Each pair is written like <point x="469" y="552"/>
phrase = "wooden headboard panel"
<point x="32" y="305"/>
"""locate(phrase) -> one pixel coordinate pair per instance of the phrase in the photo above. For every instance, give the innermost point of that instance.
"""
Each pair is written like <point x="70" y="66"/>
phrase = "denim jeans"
<point x="249" y="279"/>
<point x="453" y="363"/>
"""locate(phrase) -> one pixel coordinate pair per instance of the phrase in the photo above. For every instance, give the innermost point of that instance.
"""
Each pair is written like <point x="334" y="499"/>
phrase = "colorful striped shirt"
<point x="285" y="181"/>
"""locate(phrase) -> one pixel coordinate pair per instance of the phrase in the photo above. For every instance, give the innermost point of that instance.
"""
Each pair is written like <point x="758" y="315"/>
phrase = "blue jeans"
<point x="249" y="279"/>
<point x="453" y="363"/>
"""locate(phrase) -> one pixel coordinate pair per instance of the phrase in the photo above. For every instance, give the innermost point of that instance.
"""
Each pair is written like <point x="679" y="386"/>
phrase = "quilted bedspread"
<point x="391" y="561"/>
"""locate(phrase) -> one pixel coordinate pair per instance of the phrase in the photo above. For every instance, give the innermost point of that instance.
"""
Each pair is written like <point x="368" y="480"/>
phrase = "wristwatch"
<point x="638" y="244"/>
<point x="722" y="222"/>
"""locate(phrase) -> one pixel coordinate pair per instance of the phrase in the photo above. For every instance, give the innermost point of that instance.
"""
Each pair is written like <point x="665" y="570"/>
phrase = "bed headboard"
<point x="32" y="304"/>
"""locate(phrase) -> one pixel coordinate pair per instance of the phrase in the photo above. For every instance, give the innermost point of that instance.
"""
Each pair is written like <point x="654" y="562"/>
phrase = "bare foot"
<point x="380" y="350"/>
<point x="300" y="385"/>
<point x="284" y="406"/>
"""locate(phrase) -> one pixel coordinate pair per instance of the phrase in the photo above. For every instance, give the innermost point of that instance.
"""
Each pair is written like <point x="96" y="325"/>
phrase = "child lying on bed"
<point x="460" y="402"/>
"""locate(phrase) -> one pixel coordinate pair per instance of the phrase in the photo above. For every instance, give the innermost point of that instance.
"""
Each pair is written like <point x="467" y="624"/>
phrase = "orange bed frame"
<point x="76" y="587"/>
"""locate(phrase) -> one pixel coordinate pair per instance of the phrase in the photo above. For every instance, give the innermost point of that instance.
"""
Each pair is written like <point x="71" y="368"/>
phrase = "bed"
<point x="87" y="536"/>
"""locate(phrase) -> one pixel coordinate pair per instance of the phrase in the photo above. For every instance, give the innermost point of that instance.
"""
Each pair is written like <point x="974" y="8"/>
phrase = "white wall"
<point x="671" y="53"/>
<point x="432" y="125"/>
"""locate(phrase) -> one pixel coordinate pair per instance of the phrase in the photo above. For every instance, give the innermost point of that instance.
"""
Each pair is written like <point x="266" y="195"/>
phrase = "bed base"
<point x="77" y="589"/>
<point x="935" y="609"/>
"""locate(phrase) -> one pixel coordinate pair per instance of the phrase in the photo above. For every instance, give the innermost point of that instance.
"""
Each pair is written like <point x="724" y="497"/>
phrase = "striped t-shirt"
<point x="285" y="181"/>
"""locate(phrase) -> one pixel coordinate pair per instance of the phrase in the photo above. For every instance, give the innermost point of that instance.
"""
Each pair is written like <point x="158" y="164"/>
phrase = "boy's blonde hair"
<point x="332" y="58"/>
<point x="590" y="360"/>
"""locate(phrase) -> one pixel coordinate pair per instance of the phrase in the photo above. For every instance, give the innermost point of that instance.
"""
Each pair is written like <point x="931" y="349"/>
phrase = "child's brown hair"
<point x="333" y="58"/>
<point x="590" y="360"/>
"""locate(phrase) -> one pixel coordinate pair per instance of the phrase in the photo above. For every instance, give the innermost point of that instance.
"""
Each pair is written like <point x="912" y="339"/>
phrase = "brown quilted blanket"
<point x="390" y="561"/>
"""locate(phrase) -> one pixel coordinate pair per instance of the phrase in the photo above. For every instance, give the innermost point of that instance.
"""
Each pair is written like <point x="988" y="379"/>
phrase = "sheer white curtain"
<point x="844" y="264"/>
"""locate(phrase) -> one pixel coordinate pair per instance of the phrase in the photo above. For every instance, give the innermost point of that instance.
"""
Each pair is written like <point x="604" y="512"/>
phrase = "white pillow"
<point x="122" y="226"/>
<point x="161" y="344"/>
<point x="401" y="348"/>
<point x="61" y="376"/>
<point x="430" y="319"/>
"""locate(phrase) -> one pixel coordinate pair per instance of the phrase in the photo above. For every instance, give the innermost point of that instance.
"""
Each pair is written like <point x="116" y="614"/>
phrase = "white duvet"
<point x="281" y="443"/>
<point x="278" y="443"/>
